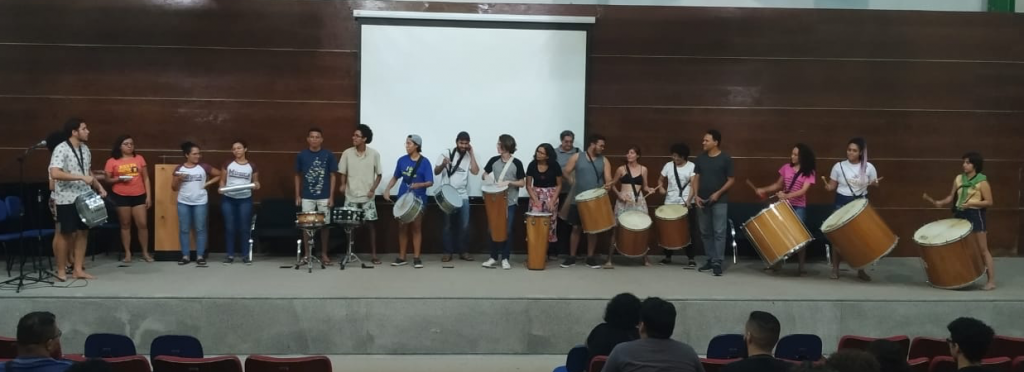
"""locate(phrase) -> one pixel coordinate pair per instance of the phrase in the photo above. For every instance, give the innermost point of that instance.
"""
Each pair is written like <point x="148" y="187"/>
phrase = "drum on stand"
<point x="310" y="220"/>
<point x="407" y="208"/>
<point x="860" y="235"/>
<point x="496" y="204"/>
<point x="951" y="258"/>
<point x="595" y="211"/>
<point x="776" y="232"/>
<point x="448" y="198"/>
<point x="672" y="221"/>
<point x="633" y="232"/>
<point x="347" y="216"/>
<point x="538" y="225"/>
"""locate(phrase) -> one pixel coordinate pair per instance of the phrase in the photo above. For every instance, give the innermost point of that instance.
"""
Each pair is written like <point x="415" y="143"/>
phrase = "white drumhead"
<point x="451" y="195"/>
<point x="491" y="188"/>
<point x="942" y="231"/>
<point x="538" y="214"/>
<point x="671" y="212"/>
<point x="634" y="220"/>
<point x="404" y="204"/>
<point x="591" y="194"/>
<point x="843" y="215"/>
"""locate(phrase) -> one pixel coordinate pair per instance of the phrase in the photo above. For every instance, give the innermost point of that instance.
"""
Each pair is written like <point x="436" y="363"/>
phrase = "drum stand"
<point x="350" y="257"/>
<point x="310" y="234"/>
<point x="38" y="274"/>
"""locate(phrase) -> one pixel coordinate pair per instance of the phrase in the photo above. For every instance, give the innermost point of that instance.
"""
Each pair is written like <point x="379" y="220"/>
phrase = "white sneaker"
<point x="505" y="265"/>
<point x="489" y="263"/>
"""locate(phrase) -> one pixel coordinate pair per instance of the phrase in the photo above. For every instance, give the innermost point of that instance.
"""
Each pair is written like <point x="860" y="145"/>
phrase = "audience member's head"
<point x="623" y="311"/>
<point x="38" y="335"/>
<point x="890" y="356"/>
<point x="762" y="332"/>
<point x="852" y="360"/>
<point x="969" y="339"/>
<point x="91" y="365"/>
<point x="657" y="318"/>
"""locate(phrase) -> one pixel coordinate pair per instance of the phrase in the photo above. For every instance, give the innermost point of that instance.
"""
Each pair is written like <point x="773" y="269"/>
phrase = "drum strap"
<point x="594" y="166"/>
<point x="636" y="192"/>
<point x="415" y="168"/>
<point x="452" y="169"/>
<point x="504" y="169"/>
<point x="843" y="169"/>
<point x="78" y="156"/>
<point x="793" y="181"/>
<point x="681" y="186"/>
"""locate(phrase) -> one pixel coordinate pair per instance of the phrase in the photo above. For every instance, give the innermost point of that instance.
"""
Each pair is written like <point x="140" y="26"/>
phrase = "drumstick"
<point x="751" y="184"/>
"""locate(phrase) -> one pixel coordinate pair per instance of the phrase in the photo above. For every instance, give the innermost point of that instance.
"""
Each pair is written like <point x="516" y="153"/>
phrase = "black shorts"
<point x="574" y="216"/>
<point x="69" y="220"/>
<point x="127" y="201"/>
<point x="975" y="216"/>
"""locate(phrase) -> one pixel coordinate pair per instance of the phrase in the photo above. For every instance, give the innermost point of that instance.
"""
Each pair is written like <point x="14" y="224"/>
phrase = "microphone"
<point x="33" y="147"/>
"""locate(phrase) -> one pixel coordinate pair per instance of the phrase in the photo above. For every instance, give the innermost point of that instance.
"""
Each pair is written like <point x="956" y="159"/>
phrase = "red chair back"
<point x="166" y="363"/>
<point x="942" y="364"/>
<point x="928" y="347"/>
<point x="1001" y="364"/>
<point x="134" y="363"/>
<point x="1006" y="346"/>
<point x="715" y="365"/>
<point x="919" y="364"/>
<point x="8" y="348"/>
<point x="1018" y="364"/>
<point x="263" y="363"/>
<point x="862" y="342"/>
<point x="597" y="364"/>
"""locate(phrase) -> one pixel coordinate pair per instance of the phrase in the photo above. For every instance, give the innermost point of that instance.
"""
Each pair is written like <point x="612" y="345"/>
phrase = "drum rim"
<point x="646" y="250"/>
<point x="592" y="232"/>
<point x="495" y="189"/>
<point x="862" y="208"/>
<point x="617" y="223"/>
<point x="676" y="248"/>
<point x="538" y="214"/>
<point x="782" y="256"/>
<point x="578" y="200"/>
<point x="965" y="285"/>
<point x="880" y="257"/>
<point x="671" y="219"/>
<point x="959" y="238"/>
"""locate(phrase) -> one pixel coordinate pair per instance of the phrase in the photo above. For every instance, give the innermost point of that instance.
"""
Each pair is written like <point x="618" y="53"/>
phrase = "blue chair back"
<point x="799" y="347"/>
<point x="576" y="360"/>
<point x="108" y="345"/>
<point x="3" y="212"/>
<point x="177" y="346"/>
<point x="14" y="207"/>
<point x="727" y="346"/>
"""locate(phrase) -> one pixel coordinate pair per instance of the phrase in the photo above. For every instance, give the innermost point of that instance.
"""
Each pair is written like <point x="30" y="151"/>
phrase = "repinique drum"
<point x="538" y="225"/>
<point x="496" y="204"/>
<point x="595" y="211"/>
<point x="309" y="219"/>
<point x="347" y="215"/>
<point x="632" y="234"/>
<point x="860" y="235"/>
<point x="448" y="198"/>
<point x="91" y="209"/>
<point x="951" y="258"/>
<point x="776" y="232"/>
<point x="672" y="221"/>
<point x="407" y="208"/>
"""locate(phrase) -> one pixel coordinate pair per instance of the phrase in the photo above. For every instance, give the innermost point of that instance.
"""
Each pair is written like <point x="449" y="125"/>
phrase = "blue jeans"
<point x="192" y="217"/>
<point x="505" y="248"/>
<point x="801" y="213"/>
<point x="237" y="223"/>
<point x="456" y="227"/>
<point x="714" y="220"/>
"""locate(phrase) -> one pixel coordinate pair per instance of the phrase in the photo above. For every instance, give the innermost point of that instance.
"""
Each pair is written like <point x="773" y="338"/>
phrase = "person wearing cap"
<point x="454" y="166"/>
<point x="414" y="171"/>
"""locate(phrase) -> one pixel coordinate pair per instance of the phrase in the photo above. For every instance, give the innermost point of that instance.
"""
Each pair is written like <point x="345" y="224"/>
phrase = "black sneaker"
<point x="246" y="261"/>
<point x="417" y="263"/>
<point x="593" y="263"/>
<point x="399" y="262"/>
<point x="707" y="266"/>
<point x="229" y="260"/>
<point x="570" y="261"/>
<point x="183" y="261"/>
<point x="666" y="261"/>
<point x="717" y="269"/>
<point x="201" y="261"/>
<point x="692" y="264"/>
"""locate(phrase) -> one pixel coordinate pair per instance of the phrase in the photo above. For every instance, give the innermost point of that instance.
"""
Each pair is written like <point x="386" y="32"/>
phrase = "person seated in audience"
<point x="811" y="367"/>
<point x="38" y="340"/>
<point x="852" y="360"/>
<point x="655" y="350"/>
<point x="969" y="340"/>
<point x="890" y="356"/>
<point x="621" y="317"/>
<point x="761" y="335"/>
<point x="91" y="365"/>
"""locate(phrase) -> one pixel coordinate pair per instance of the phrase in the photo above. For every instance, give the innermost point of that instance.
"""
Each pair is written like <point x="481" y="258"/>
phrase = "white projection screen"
<point x="437" y="78"/>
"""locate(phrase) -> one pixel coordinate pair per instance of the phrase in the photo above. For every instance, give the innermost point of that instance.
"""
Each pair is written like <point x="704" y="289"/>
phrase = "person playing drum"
<point x="631" y="191"/>
<point x="454" y="166"/>
<point x="507" y="171"/>
<point x="70" y="167"/>
<point x="795" y="180"/>
<point x="360" y="174"/>
<point x="588" y="170"/>
<point x="676" y="183"/>
<point x="544" y="183"/>
<point x="850" y="179"/>
<point x="190" y="181"/>
<point x="236" y="206"/>
<point x="971" y="195"/>
<point x="414" y="171"/>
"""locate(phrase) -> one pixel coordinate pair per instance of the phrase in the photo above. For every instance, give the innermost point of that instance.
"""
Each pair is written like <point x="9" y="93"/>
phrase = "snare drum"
<point x="91" y="209"/>
<point x="537" y="227"/>
<point x="309" y="219"/>
<point x="951" y="258"/>
<point x="595" y="211"/>
<point x="496" y="204"/>
<point x="776" y="232"/>
<point x="632" y="234"/>
<point x="407" y="208"/>
<point x="448" y="198"/>
<point x="672" y="221"/>
<point x="347" y="215"/>
<point x="859" y="234"/>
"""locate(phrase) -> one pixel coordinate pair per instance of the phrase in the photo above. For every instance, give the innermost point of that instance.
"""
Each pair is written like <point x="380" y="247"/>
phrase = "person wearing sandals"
<point x="850" y="179"/>
<point x="795" y="179"/>
<point x="236" y="205"/>
<point x="190" y="182"/>
<point x="455" y="169"/>
<point x="415" y="172"/>
<point x="544" y="184"/>
<point x="126" y="171"/>
<point x="360" y="172"/>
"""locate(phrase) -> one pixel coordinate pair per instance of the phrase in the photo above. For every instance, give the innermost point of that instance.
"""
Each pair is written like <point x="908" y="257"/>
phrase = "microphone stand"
<point x="38" y="274"/>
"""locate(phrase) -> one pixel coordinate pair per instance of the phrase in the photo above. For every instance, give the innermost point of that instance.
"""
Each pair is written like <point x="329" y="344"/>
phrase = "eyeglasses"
<point x="59" y="334"/>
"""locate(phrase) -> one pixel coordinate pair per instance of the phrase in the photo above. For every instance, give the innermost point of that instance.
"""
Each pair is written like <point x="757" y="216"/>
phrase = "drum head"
<point x="538" y="214"/>
<point x="671" y="212"/>
<point x="591" y="194"/>
<point x="404" y="204"/>
<point x="942" y="232"/>
<point x="450" y="195"/>
<point x="635" y="221"/>
<point x="843" y="215"/>
<point x="491" y="188"/>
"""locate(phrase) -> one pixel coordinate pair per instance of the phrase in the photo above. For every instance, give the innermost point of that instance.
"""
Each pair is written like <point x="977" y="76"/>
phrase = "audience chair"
<point x="8" y="348"/>
<point x="861" y="342"/>
<point x="1000" y="364"/>
<point x="134" y="363"/>
<point x="262" y="363"/>
<point x="108" y="345"/>
<point x="598" y="363"/>
<point x="928" y="347"/>
<point x="919" y="364"/>
<point x="799" y="347"/>
<point x="727" y="346"/>
<point x="1018" y="364"/>
<point x="1005" y="346"/>
<point x="715" y="365"/>
<point x="176" y="346"/>
<point x="165" y="363"/>
<point x="576" y="360"/>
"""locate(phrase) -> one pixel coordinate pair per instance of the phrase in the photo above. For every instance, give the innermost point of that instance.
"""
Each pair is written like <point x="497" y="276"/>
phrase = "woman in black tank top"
<point x="630" y="190"/>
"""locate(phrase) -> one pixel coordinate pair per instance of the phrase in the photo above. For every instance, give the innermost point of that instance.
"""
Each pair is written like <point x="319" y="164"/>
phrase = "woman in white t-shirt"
<point x="676" y="183"/>
<point x="850" y="179"/>
<point x="190" y="181"/>
<point x="236" y="205"/>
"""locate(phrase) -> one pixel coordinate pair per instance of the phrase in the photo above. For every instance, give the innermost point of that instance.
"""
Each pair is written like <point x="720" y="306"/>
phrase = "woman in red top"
<point x="126" y="171"/>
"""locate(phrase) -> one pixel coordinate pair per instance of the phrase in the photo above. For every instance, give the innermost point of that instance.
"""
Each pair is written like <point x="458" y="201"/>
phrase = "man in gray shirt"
<point x="564" y="152"/>
<point x="714" y="178"/>
<point x="655" y="351"/>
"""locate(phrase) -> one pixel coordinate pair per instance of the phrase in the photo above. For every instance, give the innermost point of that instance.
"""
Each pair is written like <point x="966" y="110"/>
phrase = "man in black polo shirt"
<point x="969" y="340"/>
<point x="762" y="333"/>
